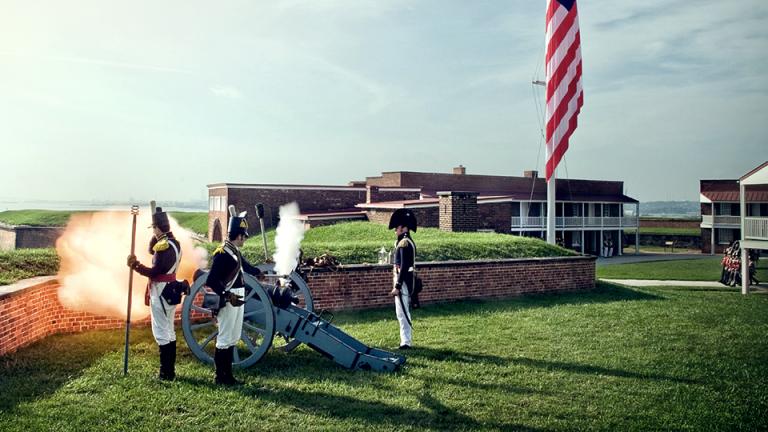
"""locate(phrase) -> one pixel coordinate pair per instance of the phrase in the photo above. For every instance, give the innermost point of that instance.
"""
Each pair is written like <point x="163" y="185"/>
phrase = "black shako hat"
<point x="159" y="218"/>
<point x="238" y="224"/>
<point x="403" y="217"/>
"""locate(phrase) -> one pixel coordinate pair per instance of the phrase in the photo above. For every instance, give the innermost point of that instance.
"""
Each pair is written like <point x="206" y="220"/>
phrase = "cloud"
<point x="227" y="92"/>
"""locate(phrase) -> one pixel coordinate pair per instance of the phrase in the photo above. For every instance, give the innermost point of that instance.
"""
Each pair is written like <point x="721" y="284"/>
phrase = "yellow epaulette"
<point x="218" y="250"/>
<point x="161" y="245"/>
<point x="403" y="243"/>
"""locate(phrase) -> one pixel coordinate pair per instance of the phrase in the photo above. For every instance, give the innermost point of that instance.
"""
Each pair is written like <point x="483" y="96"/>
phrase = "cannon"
<point x="270" y="312"/>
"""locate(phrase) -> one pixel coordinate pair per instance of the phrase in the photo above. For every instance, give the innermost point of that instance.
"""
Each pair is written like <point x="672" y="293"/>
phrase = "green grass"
<point x="359" y="242"/>
<point x="36" y="217"/>
<point x="667" y="231"/>
<point x="196" y="222"/>
<point x="612" y="359"/>
<point x="26" y="263"/>
<point x="704" y="269"/>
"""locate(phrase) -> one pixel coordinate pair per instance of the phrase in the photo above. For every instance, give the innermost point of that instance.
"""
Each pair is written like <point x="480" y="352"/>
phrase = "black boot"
<point x="172" y="360"/>
<point x="219" y="358"/>
<point x="167" y="360"/>
<point x="231" y="358"/>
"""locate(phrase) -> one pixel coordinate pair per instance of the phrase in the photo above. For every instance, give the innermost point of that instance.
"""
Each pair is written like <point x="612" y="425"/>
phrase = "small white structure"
<point x="754" y="229"/>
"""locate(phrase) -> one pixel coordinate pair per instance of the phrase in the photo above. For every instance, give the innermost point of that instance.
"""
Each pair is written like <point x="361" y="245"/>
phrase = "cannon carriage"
<point x="273" y="310"/>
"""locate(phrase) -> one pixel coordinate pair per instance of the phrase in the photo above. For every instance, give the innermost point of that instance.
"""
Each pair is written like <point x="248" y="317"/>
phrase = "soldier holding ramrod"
<point x="166" y="256"/>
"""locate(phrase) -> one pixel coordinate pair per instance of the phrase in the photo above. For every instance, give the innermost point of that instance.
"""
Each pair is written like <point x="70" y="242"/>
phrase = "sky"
<point x="107" y="100"/>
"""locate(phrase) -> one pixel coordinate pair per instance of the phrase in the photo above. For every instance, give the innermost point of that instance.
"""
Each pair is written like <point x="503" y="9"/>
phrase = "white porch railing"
<point x="756" y="228"/>
<point x="592" y="221"/>
<point x="575" y="222"/>
<point x="720" y="220"/>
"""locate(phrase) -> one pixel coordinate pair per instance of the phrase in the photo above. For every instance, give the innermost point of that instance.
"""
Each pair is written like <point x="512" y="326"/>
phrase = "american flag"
<point x="563" y="78"/>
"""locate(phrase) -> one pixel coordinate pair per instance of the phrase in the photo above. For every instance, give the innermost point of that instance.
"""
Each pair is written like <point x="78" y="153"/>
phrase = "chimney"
<point x="531" y="174"/>
<point x="460" y="170"/>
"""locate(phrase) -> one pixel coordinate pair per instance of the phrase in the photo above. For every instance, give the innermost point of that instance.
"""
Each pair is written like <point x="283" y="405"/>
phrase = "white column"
<point x="637" y="228"/>
<point x="600" y="245"/>
<point x="744" y="251"/>
<point x="621" y="243"/>
<point x="712" y="239"/>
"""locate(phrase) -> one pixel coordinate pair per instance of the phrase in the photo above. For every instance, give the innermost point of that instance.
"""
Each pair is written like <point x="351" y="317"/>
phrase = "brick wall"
<point x="366" y="286"/>
<point x="22" y="237"/>
<point x="272" y="198"/>
<point x="497" y="216"/>
<point x="7" y="238"/>
<point x="427" y="217"/>
<point x="31" y="312"/>
<point x="458" y="211"/>
<point x="376" y="194"/>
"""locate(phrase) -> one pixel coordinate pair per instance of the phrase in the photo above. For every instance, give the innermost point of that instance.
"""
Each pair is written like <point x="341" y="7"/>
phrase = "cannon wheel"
<point x="258" y="324"/>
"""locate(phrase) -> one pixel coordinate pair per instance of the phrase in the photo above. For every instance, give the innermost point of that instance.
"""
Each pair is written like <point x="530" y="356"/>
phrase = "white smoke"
<point x="290" y="232"/>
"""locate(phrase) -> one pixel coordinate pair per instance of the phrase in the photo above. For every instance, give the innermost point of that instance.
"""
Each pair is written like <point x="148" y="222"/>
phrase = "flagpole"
<point x="551" y="207"/>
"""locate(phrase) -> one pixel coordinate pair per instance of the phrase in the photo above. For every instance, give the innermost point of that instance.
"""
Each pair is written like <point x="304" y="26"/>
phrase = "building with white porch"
<point x="721" y="211"/>
<point x="754" y="227"/>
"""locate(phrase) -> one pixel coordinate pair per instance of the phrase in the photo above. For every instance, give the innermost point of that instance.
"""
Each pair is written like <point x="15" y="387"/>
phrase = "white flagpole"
<point x="551" y="207"/>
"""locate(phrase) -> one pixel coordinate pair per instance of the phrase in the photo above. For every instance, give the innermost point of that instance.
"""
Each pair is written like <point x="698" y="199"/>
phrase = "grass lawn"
<point x="612" y="359"/>
<point x="359" y="242"/>
<point x="704" y="269"/>
<point x="21" y="264"/>
<point x="36" y="217"/>
<point x="196" y="222"/>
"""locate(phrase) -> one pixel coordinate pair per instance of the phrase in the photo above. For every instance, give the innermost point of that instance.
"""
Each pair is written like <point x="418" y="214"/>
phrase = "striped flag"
<point x="563" y="78"/>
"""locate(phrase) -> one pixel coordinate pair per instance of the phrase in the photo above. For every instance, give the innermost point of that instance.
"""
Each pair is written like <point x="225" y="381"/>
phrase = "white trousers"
<point x="230" y="322"/>
<point x="401" y="309"/>
<point x="162" y="315"/>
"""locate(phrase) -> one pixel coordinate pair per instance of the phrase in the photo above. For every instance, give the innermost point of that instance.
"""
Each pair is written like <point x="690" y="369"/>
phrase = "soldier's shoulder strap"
<point x="161" y="245"/>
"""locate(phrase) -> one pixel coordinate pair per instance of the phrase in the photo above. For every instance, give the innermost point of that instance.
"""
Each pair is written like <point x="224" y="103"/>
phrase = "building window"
<point x="725" y="236"/>
<point x="210" y="204"/>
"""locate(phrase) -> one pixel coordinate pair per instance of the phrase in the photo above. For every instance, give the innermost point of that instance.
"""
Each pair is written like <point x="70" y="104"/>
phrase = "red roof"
<point x="733" y="196"/>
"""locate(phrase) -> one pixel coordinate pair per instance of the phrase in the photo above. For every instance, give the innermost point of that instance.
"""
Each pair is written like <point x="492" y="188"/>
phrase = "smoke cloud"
<point x="288" y="236"/>
<point x="93" y="251"/>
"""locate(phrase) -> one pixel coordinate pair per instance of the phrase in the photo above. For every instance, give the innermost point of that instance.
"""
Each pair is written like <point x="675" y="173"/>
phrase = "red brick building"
<point x="588" y="211"/>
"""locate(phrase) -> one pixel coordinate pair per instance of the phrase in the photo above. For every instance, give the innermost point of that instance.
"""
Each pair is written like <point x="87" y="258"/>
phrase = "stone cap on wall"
<point x="9" y="290"/>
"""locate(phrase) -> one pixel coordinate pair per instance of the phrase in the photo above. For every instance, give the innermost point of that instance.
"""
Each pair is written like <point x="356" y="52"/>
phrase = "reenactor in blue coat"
<point x="403" y="221"/>
<point x="166" y="256"/>
<point x="226" y="279"/>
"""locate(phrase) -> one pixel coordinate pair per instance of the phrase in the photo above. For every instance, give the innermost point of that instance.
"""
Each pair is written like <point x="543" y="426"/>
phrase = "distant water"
<point x="95" y="206"/>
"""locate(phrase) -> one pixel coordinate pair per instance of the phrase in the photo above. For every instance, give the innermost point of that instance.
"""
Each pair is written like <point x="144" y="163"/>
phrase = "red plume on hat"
<point x="403" y="217"/>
